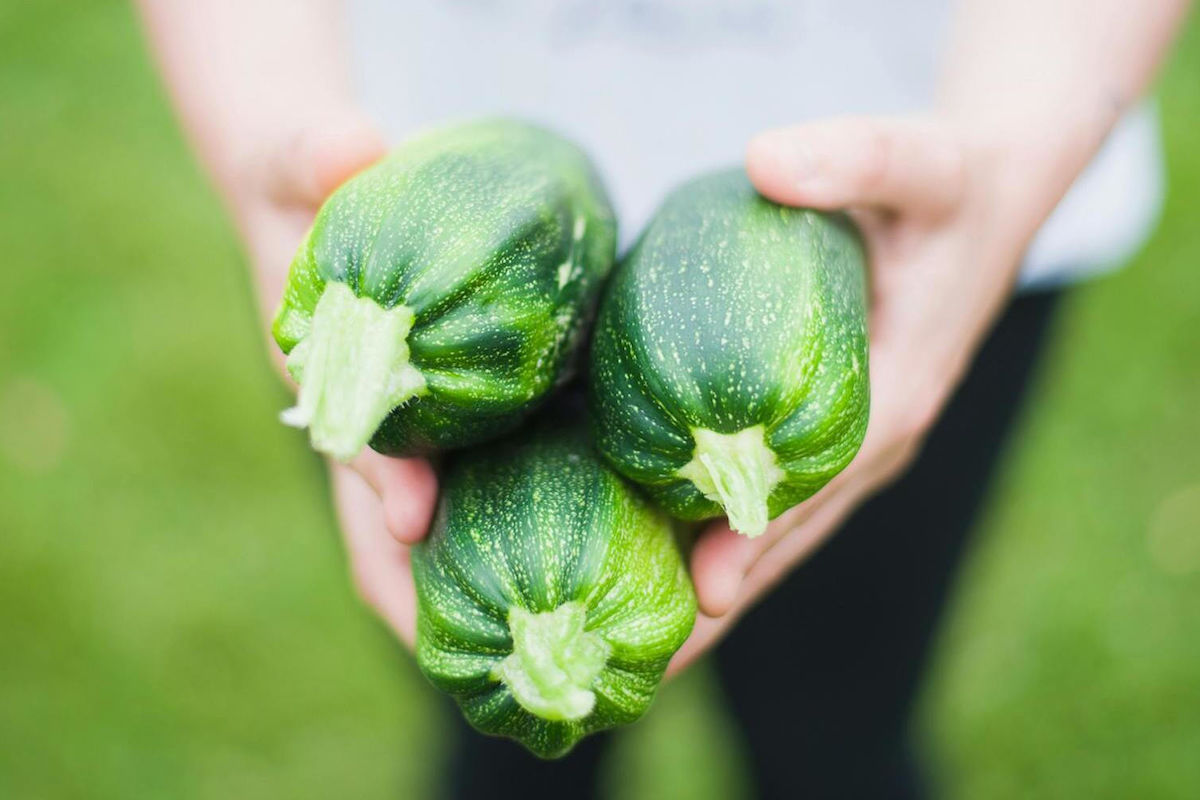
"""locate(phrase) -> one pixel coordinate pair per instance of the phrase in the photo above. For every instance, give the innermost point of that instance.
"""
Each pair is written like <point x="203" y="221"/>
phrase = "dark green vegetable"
<point x="551" y="596"/>
<point x="441" y="293"/>
<point x="729" y="369"/>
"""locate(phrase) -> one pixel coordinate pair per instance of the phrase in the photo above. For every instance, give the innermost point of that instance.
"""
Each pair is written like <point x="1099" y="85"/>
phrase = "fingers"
<point x="729" y="570"/>
<point x="722" y="561"/>
<point x="407" y="488"/>
<point x="903" y="165"/>
<point x="794" y="540"/>
<point x="719" y="562"/>
<point x="380" y="565"/>
<point x="802" y="540"/>
<point x="305" y="169"/>
<point x="722" y="558"/>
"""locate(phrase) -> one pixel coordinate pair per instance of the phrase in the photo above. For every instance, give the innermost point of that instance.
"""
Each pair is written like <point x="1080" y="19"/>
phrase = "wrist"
<point x="1026" y="161"/>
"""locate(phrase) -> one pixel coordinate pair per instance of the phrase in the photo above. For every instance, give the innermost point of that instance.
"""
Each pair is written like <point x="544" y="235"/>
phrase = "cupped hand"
<point x="945" y="228"/>
<point x="384" y="504"/>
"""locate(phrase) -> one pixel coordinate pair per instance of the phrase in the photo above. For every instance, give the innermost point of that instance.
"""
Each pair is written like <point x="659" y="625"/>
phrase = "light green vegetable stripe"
<point x="442" y="293"/>
<point x="729" y="370"/>
<point x="551" y="596"/>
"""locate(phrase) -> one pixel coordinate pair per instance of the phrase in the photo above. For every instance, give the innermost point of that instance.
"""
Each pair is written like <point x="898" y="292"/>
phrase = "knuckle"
<point x="954" y="168"/>
<point x="890" y="472"/>
<point x="950" y="170"/>
<point x="919" y="417"/>
<point x="876" y="155"/>
<point x="893" y="462"/>
<point x="905" y="455"/>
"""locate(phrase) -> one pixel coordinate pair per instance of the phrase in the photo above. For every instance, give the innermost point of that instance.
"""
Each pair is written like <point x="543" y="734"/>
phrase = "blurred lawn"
<point x="175" y="619"/>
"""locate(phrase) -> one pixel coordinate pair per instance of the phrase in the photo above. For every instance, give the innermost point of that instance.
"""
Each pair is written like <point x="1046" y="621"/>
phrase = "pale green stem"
<point x="738" y="471"/>
<point x="554" y="662"/>
<point x="353" y="369"/>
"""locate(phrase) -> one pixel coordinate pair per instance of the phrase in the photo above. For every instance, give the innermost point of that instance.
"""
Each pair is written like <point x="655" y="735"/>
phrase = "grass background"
<point x="175" y="618"/>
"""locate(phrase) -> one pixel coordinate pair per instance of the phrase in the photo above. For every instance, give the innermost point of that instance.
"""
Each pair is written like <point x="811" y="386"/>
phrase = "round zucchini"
<point x="550" y="595"/>
<point x="729" y="367"/>
<point x="441" y="293"/>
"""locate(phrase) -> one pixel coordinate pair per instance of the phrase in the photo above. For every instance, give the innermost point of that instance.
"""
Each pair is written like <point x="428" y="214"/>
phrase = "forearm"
<point x="245" y="72"/>
<point x="1038" y="84"/>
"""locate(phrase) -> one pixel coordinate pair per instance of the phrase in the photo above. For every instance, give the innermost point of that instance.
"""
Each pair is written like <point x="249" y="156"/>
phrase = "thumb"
<point x="722" y="559"/>
<point x="905" y="165"/>
<point x="407" y="488"/>
<point x="306" y="168"/>
<point x="719" y="563"/>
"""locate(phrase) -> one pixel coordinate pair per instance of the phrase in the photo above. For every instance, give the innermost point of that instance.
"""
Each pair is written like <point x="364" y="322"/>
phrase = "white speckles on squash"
<point x="497" y="236"/>
<point x="733" y="313"/>
<point x="540" y="524"/>
<point x="564" y="273"/>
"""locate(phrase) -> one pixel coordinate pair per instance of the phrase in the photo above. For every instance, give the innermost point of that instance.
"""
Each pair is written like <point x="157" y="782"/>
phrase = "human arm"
<point x="263" y="91"/>
<point x="948" y="202"/>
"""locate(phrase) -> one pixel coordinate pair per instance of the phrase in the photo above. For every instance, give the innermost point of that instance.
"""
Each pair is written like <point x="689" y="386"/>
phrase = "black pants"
<point x="822" y="674"/>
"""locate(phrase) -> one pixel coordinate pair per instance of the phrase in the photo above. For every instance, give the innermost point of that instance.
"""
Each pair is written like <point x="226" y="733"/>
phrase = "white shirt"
<point x="658" y="91"/>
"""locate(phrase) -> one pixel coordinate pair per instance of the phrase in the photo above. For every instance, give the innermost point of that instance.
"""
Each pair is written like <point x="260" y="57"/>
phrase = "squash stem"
<point x="738" y="471"/>
<point x="554" y="662"/>
<point x="353" y="369"/>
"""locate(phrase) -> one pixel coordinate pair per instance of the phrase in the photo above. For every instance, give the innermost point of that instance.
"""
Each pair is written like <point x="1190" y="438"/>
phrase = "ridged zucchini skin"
<point x="733" y="312"/>
<point x="538" y="523"/>
<point x="497" y="235"/>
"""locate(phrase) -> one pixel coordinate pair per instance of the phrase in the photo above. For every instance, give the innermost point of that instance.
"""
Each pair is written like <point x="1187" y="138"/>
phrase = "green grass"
<point x="175" y="618"/>
<point x="1071" y="667"/>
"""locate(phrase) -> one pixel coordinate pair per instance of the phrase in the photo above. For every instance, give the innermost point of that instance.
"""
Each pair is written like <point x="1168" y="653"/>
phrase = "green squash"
<point x="550" y="594"/>
<point x="729" y="367"/>
<point x="440" y="294"/>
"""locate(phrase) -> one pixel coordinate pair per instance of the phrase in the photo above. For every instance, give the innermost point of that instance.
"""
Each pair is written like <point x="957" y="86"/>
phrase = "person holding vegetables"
<point x="990" y="154"/>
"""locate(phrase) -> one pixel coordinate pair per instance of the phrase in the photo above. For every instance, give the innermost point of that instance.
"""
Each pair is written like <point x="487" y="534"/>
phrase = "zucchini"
<point x="729" y="367"/>
<point x="440" y="294"/>
<point x="550" y="594"/>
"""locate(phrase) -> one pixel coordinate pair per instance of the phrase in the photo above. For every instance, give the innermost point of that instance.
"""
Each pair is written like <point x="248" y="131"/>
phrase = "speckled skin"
<point x="498" y="236"/>
<point x="731" y="312"/>
<point x="538" y="521"/>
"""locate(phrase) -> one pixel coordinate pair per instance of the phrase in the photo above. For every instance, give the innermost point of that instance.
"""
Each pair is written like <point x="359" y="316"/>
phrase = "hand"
<point x="384" y="504"/>
<point x="945" y="226"/>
